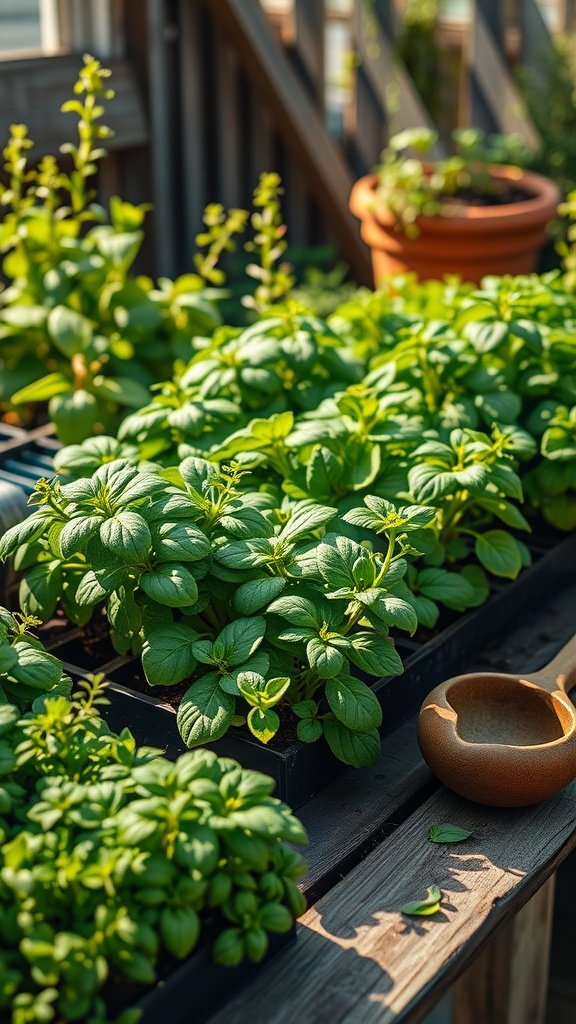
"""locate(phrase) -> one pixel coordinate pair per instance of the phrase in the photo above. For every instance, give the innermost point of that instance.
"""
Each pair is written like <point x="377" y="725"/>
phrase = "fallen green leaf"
<point x="448" y="834"/>
<point x="424" y="908"/>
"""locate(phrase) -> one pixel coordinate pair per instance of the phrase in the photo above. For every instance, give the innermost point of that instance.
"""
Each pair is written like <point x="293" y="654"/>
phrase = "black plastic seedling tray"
<point x="300" y="770"/>
<point x="197" y="987"/>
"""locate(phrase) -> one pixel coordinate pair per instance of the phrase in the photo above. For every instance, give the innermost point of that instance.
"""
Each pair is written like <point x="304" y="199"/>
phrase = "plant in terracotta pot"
<point x="469" y="214"/>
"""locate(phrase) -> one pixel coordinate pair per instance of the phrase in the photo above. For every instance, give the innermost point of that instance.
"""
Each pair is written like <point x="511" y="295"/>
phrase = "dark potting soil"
<point x="504" y="194"/>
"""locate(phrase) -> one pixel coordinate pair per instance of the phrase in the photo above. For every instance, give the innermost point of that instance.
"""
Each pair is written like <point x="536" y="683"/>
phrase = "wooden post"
<point x="508" y="981"/>
<point x="302" y="129"/>
<point x="309" y="21"/>
<point x="389" y="80"/>
<point x="192" y="123"/>
<point x="162" y="134"/>
<point x="536" y="42"/>
<point x="496" y="104"/>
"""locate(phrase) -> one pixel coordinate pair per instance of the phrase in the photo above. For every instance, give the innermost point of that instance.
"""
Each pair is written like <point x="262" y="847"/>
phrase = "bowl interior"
<point x="508" y="711"/>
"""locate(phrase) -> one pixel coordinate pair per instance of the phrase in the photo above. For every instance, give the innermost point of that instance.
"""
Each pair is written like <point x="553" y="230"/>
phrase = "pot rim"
<point x="439" y="699"/>
<point x="538" y="208"/>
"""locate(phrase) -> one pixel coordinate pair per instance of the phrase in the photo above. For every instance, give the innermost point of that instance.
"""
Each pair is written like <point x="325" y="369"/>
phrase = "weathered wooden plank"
<point x="33" y="89"/>
<point x="162" y="102"/>
<point x="508" y="980"/>
<point x="392" y="86"/>
<point x="568" y="19"/>
<point x="302" y="128"/>
<point x="537" y="48"/>
<point x="345" y="819"/>
<point x="359" y="960"/>
<point x="309" y="23"/>
<point x="227" y="125"/>
<point x="193" y="119"/>
<point x="496" y="102"/>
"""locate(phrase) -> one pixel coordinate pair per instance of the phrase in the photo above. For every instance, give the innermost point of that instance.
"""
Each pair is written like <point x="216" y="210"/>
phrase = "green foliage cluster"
<point x="549" y="90"/>
<point x="113" y="858"/>
<point x="72" y="305"/>
<point x="27" y="670"/>
<point x="436" y="393"/>
<point x="410" y="184"/>
<point x="262" y="604"/>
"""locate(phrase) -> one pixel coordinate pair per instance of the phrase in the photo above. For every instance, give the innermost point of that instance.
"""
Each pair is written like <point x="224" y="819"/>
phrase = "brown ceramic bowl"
<point x="500" y="739"/>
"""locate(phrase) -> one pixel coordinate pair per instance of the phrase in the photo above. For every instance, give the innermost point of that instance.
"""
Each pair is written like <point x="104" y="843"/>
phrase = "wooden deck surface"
<point x="358" y="960"/>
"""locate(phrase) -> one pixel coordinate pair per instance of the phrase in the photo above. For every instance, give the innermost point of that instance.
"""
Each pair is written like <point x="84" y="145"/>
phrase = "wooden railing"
<point x="224" y="89"/>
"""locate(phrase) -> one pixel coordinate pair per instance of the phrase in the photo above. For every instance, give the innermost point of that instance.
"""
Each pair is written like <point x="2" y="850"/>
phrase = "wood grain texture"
<point x="299" y="123"/>
<point x="508" y="980"/>
<point x="346" y="819"/>
<point x="359" y="960"/>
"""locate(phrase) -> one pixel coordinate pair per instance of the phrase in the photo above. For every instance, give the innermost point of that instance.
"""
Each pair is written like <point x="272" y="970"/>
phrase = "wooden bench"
<point x="358" y="959"/>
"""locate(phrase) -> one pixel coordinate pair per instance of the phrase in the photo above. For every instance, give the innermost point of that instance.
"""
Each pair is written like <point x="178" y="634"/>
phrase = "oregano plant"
<point x="261" y="605"/>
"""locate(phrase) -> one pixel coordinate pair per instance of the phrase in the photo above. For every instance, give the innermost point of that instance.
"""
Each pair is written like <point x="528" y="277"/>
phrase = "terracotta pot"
<point x="481" y="240"/>
<point x="503" y="740"/>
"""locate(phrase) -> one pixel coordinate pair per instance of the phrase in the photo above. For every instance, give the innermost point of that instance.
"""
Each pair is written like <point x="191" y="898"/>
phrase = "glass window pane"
<point x="20" y="27"/>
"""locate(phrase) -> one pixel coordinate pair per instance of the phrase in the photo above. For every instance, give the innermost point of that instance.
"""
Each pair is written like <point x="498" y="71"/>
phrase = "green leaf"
<point x="323" y="470"/>
<point x="23" y="533"/>
<point x="263" y="723"/>
<point x="167" y="655"/>
<point x="358" y="749"/>
<point x="478" y="580"/>
<point x="363" y="461"/>
<point x="127" y="535"/>
<point x="180" y="542"/>
<point x="424" y="908"/>
<point x="354" y="704"/>
<point x="306" y="519"/>
<point x="122" y="390"/>
<point x="35" y="667"/>
<point x="70" y="331"/>
<point x="487" y="335"/>
<point x="448" y="834"/>
<point x="394" y="611"/>
<point x="205" y="712"/>
<point x="305" y="709"/>
<point x="179" y="930"/>
<point x="375" y="655"/>
<point x="299" y="611"/>
<point x="41" y="588"/>
<point x="309" y="730"/>
<point x="172" y="585"/>
<point x="43" y="389"/>
<point x="75" y="535"/>
<point x="428" y="483"/>
<point x="499" y="553"/>
<point x="326" y="660"/>
<point x="451" y="588"/>
<point x="238" y="640"/>
<point x="259" y="663"/>
<point x="253" y="595"/>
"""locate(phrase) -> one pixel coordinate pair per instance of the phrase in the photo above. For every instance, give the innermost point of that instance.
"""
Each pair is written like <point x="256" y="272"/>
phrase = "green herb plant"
<point x="72" y="305"/>
<point x="263" y="605"/>
<point x="27" y="670"/>
<point x="156" y="858"/>
<point x="410" y="184"/>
